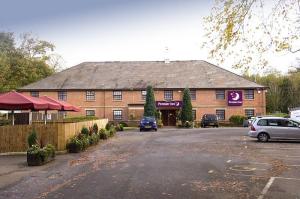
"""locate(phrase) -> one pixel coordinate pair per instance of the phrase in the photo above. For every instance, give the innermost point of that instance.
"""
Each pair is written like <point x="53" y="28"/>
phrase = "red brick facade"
<point x="131" y="104"/>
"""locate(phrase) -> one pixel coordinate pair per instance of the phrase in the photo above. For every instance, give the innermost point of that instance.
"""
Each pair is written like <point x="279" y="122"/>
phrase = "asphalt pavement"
<point x="170" y="163"/>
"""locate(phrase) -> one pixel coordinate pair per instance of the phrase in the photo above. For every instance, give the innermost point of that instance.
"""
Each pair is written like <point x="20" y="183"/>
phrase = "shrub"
<point x="108" y="125"/>
<point x="124" y="124"/>
<point x="93" y="139"/>
<point x="39" y="156"/>
<point x="85" y="142"/>
<point x="102" y="134"/>
<point x="112" y="131"/>
<point x="160" y="124"/>
<point x="188" y="124"/>
<point x="237" y="119"/>
<point x="32" y="138"/>
<point x="119" y="127"/>
<point x="95" y="128"/>
<point x="85" y="131"/>
<point x="74" y="145"/>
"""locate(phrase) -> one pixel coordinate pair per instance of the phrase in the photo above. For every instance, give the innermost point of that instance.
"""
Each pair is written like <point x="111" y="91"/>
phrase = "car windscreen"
<point x="211" y="117"/>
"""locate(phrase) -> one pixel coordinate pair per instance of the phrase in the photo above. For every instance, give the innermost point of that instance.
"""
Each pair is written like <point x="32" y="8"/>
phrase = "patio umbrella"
<point x="18" y="101"/>
<point x="64" y="105"/>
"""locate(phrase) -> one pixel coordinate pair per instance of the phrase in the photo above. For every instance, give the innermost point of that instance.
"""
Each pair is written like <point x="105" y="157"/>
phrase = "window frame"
<point x="168" y="93"/>
<point x="193" y="94"/>
<point x="117" y="97"/>
<point x="62" y="95"/>
<point x="224" y="114"/>
<point x="194" y="114"/>
<point x="90" y="95"/>
<point x="87" y="110"/>
<point x="143" y="96"/>
<point x="117" y="116"/>
<point x="249" y="109"/>
<point x="34" y="93"/>
<point x="218" y="94"/>
<point x="249" y="96"/>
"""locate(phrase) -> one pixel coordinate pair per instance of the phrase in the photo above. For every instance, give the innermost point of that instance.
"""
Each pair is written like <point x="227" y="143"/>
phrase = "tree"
<point x="249" y="31"/>
<point x="286" y="94"/>
<point x="186" y="111"/>
<point x="150" y="107"/>
<point x="25" y="63"/>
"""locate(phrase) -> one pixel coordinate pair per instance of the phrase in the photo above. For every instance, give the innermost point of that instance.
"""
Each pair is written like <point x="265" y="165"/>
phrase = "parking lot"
<point x="170" y="163"/>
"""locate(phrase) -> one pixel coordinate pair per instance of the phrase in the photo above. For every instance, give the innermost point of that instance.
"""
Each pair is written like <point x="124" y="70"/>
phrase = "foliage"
<point x="23" y="62"/>
<point x="95" y="128"/>
<point x="237" y="119"/>
<point x="186" y="111"/>
<point x="85" y="131"/>
<point x="188" y="124"/>
<point x="160" y="123"/>
<point x="108" y="125"/>
<point x="32" y="138"/>
<point x="80" y="119"/>
<point x="103" y="134"/>
<point x="283" y="90"/>
<point x="150" y="107"/>
<point x="93" y="139"/>
<point x="38" y="156"/>
<point x="74" y="145"/>
<point x="246" y="32"/>
<point x="4" y="122"/>
<point x="112" y="131"/>
<point x="124" y="124"/>
<point x="120" y="127"/>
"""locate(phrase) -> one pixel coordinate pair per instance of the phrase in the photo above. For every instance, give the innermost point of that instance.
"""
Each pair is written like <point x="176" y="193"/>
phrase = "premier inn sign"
<point x="235" y="98"/>
<point x="170" y="104"/>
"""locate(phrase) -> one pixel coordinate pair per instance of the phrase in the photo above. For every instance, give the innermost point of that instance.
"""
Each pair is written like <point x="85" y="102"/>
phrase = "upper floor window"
<point x="90" y="96"/>
<point x="90" y="112"/>
<point x="220" y="94"/>
<point x="168" y="95"/>
<point x="62" y="95"/>
<point x="143" y="93"/>
<point x="117" y="95"/>
<point x="34" y="94"/>
<point x="249" y="94"/>
<point x="193" y="94"/>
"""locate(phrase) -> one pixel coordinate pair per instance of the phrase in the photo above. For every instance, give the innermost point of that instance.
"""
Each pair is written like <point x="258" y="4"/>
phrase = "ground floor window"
<point x="90" y="112"/>
<point x="220" y="114"/>
<point x="249" y="112"/>
<point x="194" y="114"/>
<point x="118" y="115"/>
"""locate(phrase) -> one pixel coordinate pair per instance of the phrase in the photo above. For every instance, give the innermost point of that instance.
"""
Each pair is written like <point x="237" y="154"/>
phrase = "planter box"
<point x="37" y="160"/>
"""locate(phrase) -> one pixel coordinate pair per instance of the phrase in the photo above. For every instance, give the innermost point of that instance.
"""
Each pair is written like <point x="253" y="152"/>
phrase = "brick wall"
<point x="205" y="102"/>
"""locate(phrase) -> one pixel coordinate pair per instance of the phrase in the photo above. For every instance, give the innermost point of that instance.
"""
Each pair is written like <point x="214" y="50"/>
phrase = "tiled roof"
<point x="139" y="74"/>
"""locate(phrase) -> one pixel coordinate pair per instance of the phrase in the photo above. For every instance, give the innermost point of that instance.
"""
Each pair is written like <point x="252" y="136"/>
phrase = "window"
<point x="249" y="112"/>
<point x="90" y="96"/>
<point x="193" y="94"/>
<point x="220" y="114"/>
<point x="262" y="122"/>
<point x="62" y="95"/>
<point x="220" y="94"/>
<point x="90" y="112"/>
<point x="249" y="94"/>
<point x="117" y="114"/>
<point x="194" y="113"/>
<point x="34" y="94"/>
<point x="117" y="95"/>
<point x="143" y="93"/>
<point x="168" y="95"/>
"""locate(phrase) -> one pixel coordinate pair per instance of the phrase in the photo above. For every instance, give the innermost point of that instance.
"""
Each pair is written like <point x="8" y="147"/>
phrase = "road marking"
<point x="287" y="178"/>
<point x="266" y="188"/>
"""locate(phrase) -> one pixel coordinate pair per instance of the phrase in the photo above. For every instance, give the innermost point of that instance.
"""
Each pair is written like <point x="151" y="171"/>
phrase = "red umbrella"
<point x="18" y="101"/>
<point x="65" y="106"/>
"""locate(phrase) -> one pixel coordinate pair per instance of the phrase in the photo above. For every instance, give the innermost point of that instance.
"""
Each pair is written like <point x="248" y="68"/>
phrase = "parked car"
<point x="265" y="128"/>
<point x="209" y="120"/>
<point x="148" y="123"/>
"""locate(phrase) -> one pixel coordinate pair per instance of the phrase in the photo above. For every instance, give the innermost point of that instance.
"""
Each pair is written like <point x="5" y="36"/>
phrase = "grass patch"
<point x="130" y="128"/>
<point x="80" y="119"/>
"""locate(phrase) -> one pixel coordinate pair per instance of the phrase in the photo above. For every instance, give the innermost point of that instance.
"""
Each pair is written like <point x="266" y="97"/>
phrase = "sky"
<point x="116" y="30"/>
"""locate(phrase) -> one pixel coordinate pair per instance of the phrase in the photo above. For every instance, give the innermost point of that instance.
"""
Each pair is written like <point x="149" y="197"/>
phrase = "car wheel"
<point x="141" y="130"/>
<point x="155" y="129"/>
<point x="263" y="137"/>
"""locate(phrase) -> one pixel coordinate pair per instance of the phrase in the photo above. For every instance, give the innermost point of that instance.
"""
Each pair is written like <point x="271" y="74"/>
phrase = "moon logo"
<point x="235" y="96"/>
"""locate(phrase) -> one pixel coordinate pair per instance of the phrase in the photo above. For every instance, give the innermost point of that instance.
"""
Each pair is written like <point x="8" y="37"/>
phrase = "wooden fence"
<point x="14" y="138"/>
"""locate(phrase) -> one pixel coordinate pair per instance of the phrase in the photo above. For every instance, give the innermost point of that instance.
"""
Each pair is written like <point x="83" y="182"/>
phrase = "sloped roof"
<point x="139" y="74"/>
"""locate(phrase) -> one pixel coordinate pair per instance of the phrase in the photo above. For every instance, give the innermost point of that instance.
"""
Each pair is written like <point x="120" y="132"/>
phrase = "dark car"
<point x="209" y="120"/>
<point x="148" y="123"/>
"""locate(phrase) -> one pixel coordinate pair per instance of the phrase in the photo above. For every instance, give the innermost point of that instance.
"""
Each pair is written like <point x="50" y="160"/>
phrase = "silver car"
<point x="265" y="128"/>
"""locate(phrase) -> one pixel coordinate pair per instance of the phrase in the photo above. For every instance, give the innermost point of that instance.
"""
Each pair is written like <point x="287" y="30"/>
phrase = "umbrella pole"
<point x="45" y="116"/>
<point x="13" y="117"/>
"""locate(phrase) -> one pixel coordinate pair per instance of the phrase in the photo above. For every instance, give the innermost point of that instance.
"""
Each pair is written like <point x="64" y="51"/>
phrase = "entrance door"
<point x="168" y="117"/>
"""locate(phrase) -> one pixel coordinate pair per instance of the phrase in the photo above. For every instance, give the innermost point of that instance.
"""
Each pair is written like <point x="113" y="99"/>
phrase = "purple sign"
<point x="172" y="104"/>
<point x="235" y="98"/>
